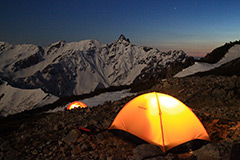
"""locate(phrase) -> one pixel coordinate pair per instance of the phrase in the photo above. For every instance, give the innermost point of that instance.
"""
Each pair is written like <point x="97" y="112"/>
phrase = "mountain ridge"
<point x="65" y="69"/>
<point x="60" y="63"/>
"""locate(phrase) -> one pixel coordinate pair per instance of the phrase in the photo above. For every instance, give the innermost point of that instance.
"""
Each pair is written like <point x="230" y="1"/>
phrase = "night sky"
<point x="195" y="26"/>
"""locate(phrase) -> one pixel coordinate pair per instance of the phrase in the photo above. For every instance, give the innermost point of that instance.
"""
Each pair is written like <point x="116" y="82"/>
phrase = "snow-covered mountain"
<point x="32" y="76"/>
<point x="64" y="69"/>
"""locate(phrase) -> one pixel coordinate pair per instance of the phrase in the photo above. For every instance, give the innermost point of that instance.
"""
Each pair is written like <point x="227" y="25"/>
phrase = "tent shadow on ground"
<point x="127" y="137"/>
<point x="182" y="148"/>
<point x="188" y="146"/>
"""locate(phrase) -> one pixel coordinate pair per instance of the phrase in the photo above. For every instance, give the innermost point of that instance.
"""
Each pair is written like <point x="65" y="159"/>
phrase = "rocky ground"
<point x="214" y="99"/>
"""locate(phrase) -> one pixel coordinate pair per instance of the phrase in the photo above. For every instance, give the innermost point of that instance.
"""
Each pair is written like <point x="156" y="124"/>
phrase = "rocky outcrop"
<point x="214" y="99"/>
<point x="218" y="53"/>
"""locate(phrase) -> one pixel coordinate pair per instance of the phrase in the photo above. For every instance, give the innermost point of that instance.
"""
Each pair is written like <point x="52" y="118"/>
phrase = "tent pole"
<point x="160" y="115"/>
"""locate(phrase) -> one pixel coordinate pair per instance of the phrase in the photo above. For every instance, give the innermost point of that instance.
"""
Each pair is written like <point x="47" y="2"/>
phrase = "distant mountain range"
<point x="64" y="69"/>
<point x="32" y="76"/>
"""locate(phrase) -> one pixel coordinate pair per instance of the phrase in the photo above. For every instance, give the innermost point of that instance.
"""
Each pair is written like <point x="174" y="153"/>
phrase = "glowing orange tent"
<point x="76" y="104"/>
<point x="160" y="119"/>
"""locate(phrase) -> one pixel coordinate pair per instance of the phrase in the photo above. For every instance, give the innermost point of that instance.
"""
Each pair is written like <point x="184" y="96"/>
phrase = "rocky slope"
<point x="215" y="100"/>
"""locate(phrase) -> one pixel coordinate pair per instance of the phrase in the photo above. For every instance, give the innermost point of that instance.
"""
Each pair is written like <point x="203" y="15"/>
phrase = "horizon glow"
<point x="196" y="27"/>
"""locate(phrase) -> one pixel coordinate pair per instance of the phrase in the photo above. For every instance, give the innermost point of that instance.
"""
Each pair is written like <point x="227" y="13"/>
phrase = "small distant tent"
<point x="76" y="104"/>
<point x="160" y="119"/>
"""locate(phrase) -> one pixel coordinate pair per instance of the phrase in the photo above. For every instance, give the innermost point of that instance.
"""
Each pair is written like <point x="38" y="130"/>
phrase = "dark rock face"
<point x="214" y="99"/>
<point x="177" y="67"/>
<point x="123" y="38"/>
<point x="29" y="61"/>
<point x="218" y="53"/>
<point x="156" y="71"/>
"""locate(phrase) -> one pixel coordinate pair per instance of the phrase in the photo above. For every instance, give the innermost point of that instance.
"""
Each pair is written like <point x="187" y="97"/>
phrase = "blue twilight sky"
<point x="195" y="26"/>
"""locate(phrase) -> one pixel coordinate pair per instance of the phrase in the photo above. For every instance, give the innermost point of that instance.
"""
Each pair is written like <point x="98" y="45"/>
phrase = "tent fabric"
<point x="76" y="104"/>
<point x="160" y="119"/>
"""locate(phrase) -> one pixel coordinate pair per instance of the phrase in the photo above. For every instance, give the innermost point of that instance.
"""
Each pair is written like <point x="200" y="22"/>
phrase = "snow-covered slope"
<point x="99" y="99"/>
<point x="14" y="100"/>
<point x="232" y="54"/>
<point x="64" y="69"/>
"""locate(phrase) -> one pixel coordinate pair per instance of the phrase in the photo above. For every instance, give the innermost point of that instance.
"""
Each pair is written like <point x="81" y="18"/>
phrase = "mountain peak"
<point x="58" y="44"/>
<point x="123" y="38"/>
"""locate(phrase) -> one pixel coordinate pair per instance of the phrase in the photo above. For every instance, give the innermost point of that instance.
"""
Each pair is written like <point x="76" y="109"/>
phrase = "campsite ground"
<point x="215" y="100"/>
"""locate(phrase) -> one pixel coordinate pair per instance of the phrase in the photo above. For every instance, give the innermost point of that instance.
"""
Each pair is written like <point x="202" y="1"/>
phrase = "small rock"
<point x="109" y="158"/>
<point x="117" y="103"/>
<point x="76" y="149"/>
<point x="62" y="149"/>
<point x="170" y="156"/>
<point x="34" y="152"/>
<point x="230" y="94"/>
<point x="55" y="127"/>
<point x="84" y="147"/>
<point x="166" y="84"/>
<point x="10" y="155"/>
<point x="146" y="151"/>
<point x="235" y="152"/>
<point x="60" y="143"/>
<point x="72" y="136"/>
<point x="157" y="158"/>
<point x="1" y="155"/>
<point x="219" y="93"/>
<point x="208" y="151"/>
<point x="93" y="145"/>
<point x="5" y="146"/>
<point x="238" y="91"/>
<point x="45" y="150"/>
<point x="80" y="139"/>
<point x="88" y="110"/>
<point x="48" y="142"/>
